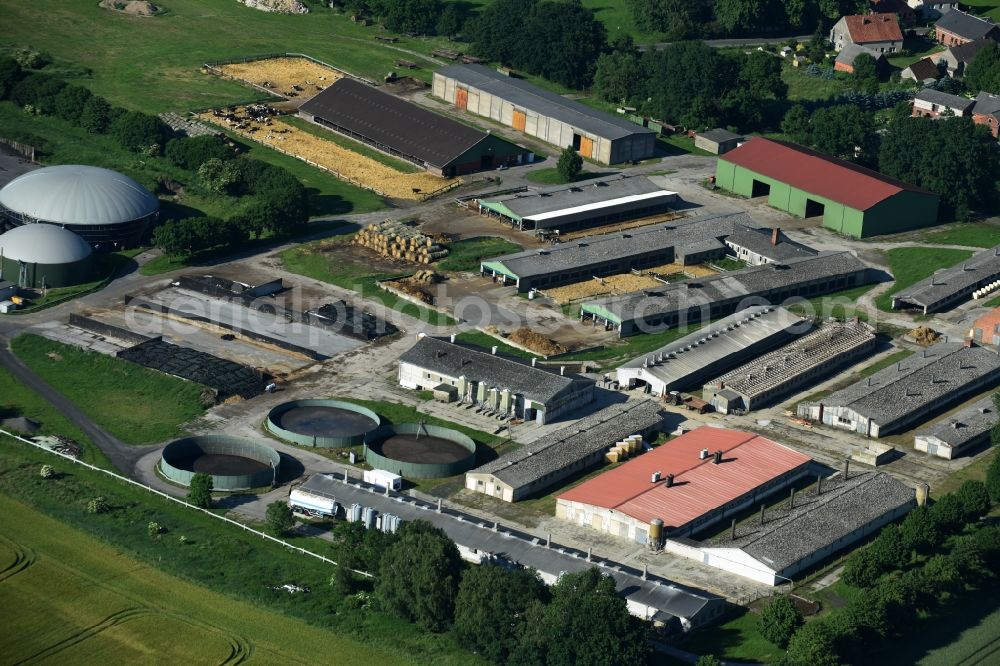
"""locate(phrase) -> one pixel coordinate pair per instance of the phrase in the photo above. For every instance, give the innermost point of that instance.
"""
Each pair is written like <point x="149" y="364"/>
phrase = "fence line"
<point x="288" y="54"/>
<point x="25" y="150"/>
<point x="133" y="482"/>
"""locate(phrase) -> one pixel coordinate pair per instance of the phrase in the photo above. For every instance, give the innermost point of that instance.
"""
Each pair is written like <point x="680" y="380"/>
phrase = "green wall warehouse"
<point x="852" y="200"/>
<point x="40" y="255"/>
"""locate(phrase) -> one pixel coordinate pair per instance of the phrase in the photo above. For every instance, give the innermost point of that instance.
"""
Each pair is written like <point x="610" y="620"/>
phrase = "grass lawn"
<point x="886" y="362"/>
<point x="802" y="87"/>
<point x="972" y="234"/>
<point x="977" y="642"/>
<point x="632" y="346"/>
<point x="97" y="588"/>
<point x="736" y="639"/>
<point x="989" y="8"/>
<point x="466" y="255"/>
<point x="549" y="176"/>
<point x="135" y="404"/>
<point x="919" y="47"/>
<point x="975" y="471"/>
<point x="838" y="305"/>
<point x="305" y="260"/>
<point x="16" y="399"/>
<point x="487" y="341"/>
<point x="912" y="264"/>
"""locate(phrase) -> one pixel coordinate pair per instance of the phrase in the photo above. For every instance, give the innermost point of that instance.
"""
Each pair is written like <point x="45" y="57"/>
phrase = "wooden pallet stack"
<point x="400" y="241"/>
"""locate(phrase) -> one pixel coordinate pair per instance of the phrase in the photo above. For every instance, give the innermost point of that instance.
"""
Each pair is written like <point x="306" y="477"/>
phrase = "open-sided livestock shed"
<point x="544" y="115"/>
<point x="402" y="129"/>
<point x="851" y="200"/>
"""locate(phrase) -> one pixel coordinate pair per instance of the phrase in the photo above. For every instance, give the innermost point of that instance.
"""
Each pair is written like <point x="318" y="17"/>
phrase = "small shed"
<point x="717" y="141"/>
<point x="445" y="393"/>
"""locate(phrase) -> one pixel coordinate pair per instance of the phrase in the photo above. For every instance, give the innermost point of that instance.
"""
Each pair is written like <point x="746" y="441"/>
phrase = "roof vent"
<point x="703" y="454"/>
<point x="654" y="477"/>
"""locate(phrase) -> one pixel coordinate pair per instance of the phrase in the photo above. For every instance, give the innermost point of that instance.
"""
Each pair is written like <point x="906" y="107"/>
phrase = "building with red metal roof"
<point x="850" y="199"/>
<point x="689" y="483"/>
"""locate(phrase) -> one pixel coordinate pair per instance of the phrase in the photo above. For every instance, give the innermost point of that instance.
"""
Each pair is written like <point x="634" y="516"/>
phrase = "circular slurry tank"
<point x="328" y="424"/>
<point x="234" y="463"/>
<point x="420" y="451"/>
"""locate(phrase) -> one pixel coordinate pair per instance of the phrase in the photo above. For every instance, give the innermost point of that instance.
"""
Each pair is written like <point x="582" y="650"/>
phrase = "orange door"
<point x="586" y="147"/>
<point x="519" y="120"/>
<point x="461" y="98"/>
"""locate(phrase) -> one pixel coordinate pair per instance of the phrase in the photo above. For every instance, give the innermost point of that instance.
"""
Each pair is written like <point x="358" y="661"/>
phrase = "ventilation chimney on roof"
<point x="717" y="457"/>
<point x="654" y="477"/>
<point x="670" y="480"/>
<point x="775" y="235"/>
<point x="703" y="454"/>
<point x="562" y="369"/>
<point x="453" y="338"/>
<point x="534" y="362"/>
<point x="440" y="354"/>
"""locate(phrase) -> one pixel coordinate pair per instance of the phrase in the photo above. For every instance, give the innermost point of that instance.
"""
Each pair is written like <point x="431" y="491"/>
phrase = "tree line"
<point x="505" y="613"/>
<point x="271" y="200"/>
<point x="939" y="556"/>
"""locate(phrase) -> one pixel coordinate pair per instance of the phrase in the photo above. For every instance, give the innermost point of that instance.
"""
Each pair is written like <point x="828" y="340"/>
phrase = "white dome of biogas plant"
<point x="43" y="244"/>
<point x="104" y="207"/>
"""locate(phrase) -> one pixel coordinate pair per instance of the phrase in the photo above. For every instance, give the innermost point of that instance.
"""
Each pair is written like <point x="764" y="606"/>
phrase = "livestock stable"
<point x="850" y="199"/>
<point x="708" y="298"/>
<point x="962" y="431"/>
<point x="908" y="392"/>
<point x="683" y="485"/>
<point x="685" y="242"/>
<point x="552" y="118"/>
<point x="946" y="288"/>
<point x="580" y="205"/>
<point x="813" y="526"/>
<point x="502" y="386"/>
<point x="691" y="360"/>
<point x="399" y="128"/>
<point x="548" y="460"/>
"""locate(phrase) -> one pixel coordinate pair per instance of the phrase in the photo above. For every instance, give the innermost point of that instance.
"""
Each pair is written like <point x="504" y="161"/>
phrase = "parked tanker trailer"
<point x="313" y="505"/>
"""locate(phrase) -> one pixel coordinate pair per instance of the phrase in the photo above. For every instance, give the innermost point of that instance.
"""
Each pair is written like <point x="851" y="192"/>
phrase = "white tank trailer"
<point x="313" y="505"/>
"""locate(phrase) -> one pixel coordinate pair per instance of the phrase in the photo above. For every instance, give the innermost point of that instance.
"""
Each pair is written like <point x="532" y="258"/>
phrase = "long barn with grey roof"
<point x="554" y="457"/>
<point x="963" y="430"/>
<point x="708" y="298"/>
<point x="688" y="361"/>
<point x="688" y="241"/>
<point x="527" y="108"/>
<point x="506" y="387"/>
<point x="949" y="286"/>
<point x="910" y="391"/>
<point x="810" y="528"/>
<point x="400" y="128"/>
<point x="580" y="205"/>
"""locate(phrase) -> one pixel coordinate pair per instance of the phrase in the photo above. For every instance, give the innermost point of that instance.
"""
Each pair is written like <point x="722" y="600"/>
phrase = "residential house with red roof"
<point x="878" y="32"/>
<point x="688" y="483"/>
<point x="850" y="199"/>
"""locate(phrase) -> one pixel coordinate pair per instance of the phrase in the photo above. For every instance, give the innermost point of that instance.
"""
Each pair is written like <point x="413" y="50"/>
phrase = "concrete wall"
<point x="941" y="449"/>
<point x="220" y="445"/>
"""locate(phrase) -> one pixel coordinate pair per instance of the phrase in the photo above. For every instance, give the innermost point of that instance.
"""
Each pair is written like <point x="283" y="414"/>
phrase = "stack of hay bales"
<point x="400" y="241"/>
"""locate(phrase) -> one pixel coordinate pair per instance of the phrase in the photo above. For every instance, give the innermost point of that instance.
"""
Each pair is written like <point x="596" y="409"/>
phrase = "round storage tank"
<point x="326" y="424"/>
<point x="42" y="255"/>
<point x="420" y="451"/>
<point x="106" y="208"/>
<point x="234" y="463"/>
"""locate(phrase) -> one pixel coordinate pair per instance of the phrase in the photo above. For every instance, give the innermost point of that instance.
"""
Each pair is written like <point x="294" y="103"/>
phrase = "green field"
<point x="548" y="176"/>
<point x="466" y="255"/>
<point x="802" y="87"/>
<point x="972" y="234"/>
<point x="736" y="639"/>
<point x="988" y="8"/>
<point x="99" y="589"/>
<point x="308" y="260"/>
<point x="135" y="404"/>
<point x="909" y="265"/>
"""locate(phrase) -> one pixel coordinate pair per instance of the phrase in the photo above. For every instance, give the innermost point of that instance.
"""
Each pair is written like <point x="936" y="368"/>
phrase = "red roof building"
<point x="879" y="32"/>
<point x="851" y="199"/>
<point x="690" y="482"/>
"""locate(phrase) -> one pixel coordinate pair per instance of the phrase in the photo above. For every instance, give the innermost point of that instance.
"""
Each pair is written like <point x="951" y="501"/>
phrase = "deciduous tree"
<point x="279" y="518"/>
<point x="491" y="608"/>
<point x="200" y="490"/>
<point x="569" y="165"/>
<point x="779" y="621"/>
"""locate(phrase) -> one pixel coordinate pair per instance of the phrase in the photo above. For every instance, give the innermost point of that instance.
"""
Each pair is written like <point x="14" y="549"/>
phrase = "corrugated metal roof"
<point x="609" y="203"/>
<point x="700" y="486"/>
<point x="944" y="99"/>
<point x="532" y="203"/>
<point x="822" y="175"/>
<point x="393" y="122"/>
<point x="531" y="97"/>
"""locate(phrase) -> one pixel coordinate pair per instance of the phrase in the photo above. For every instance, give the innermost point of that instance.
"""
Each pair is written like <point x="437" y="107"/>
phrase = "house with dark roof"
<point x="844" y="62"/>
<point x="403" y="129"/>
<point x="907" y="15"/>
<point x="986" y="111"/>
<point x="909" y="392"/>
<point x="765" y="246"/>
<point x="809" y="527"/>
<point x="878" y="32"/>
<point x="922" y="71"/>
<point x="562" y="122"/>
<point x="850" y="199"/>
<point x="502" y="386"/>
<point x="548" y="460"/>
<point x="956" y="27"/>
<point x="932" y="9"/>
<point x="956" y="58"/>
<point x="931" y="103"/>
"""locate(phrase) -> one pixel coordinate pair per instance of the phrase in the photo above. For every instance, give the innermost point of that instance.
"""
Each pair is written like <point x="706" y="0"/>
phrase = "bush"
<point x="47" y="472"/>
<point x="993" y="478"/>
<point x="138" y="131"/>
<point x="280" y="520"/>
<point x="570" y="164"/>
<point x="191" y="152"/>
<point x="974" y="499"/>
<point x="153" y="528"/>
<point x="98" y="505"/>
<point x="779" y="621"/>
<point x="200" y="491"/>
